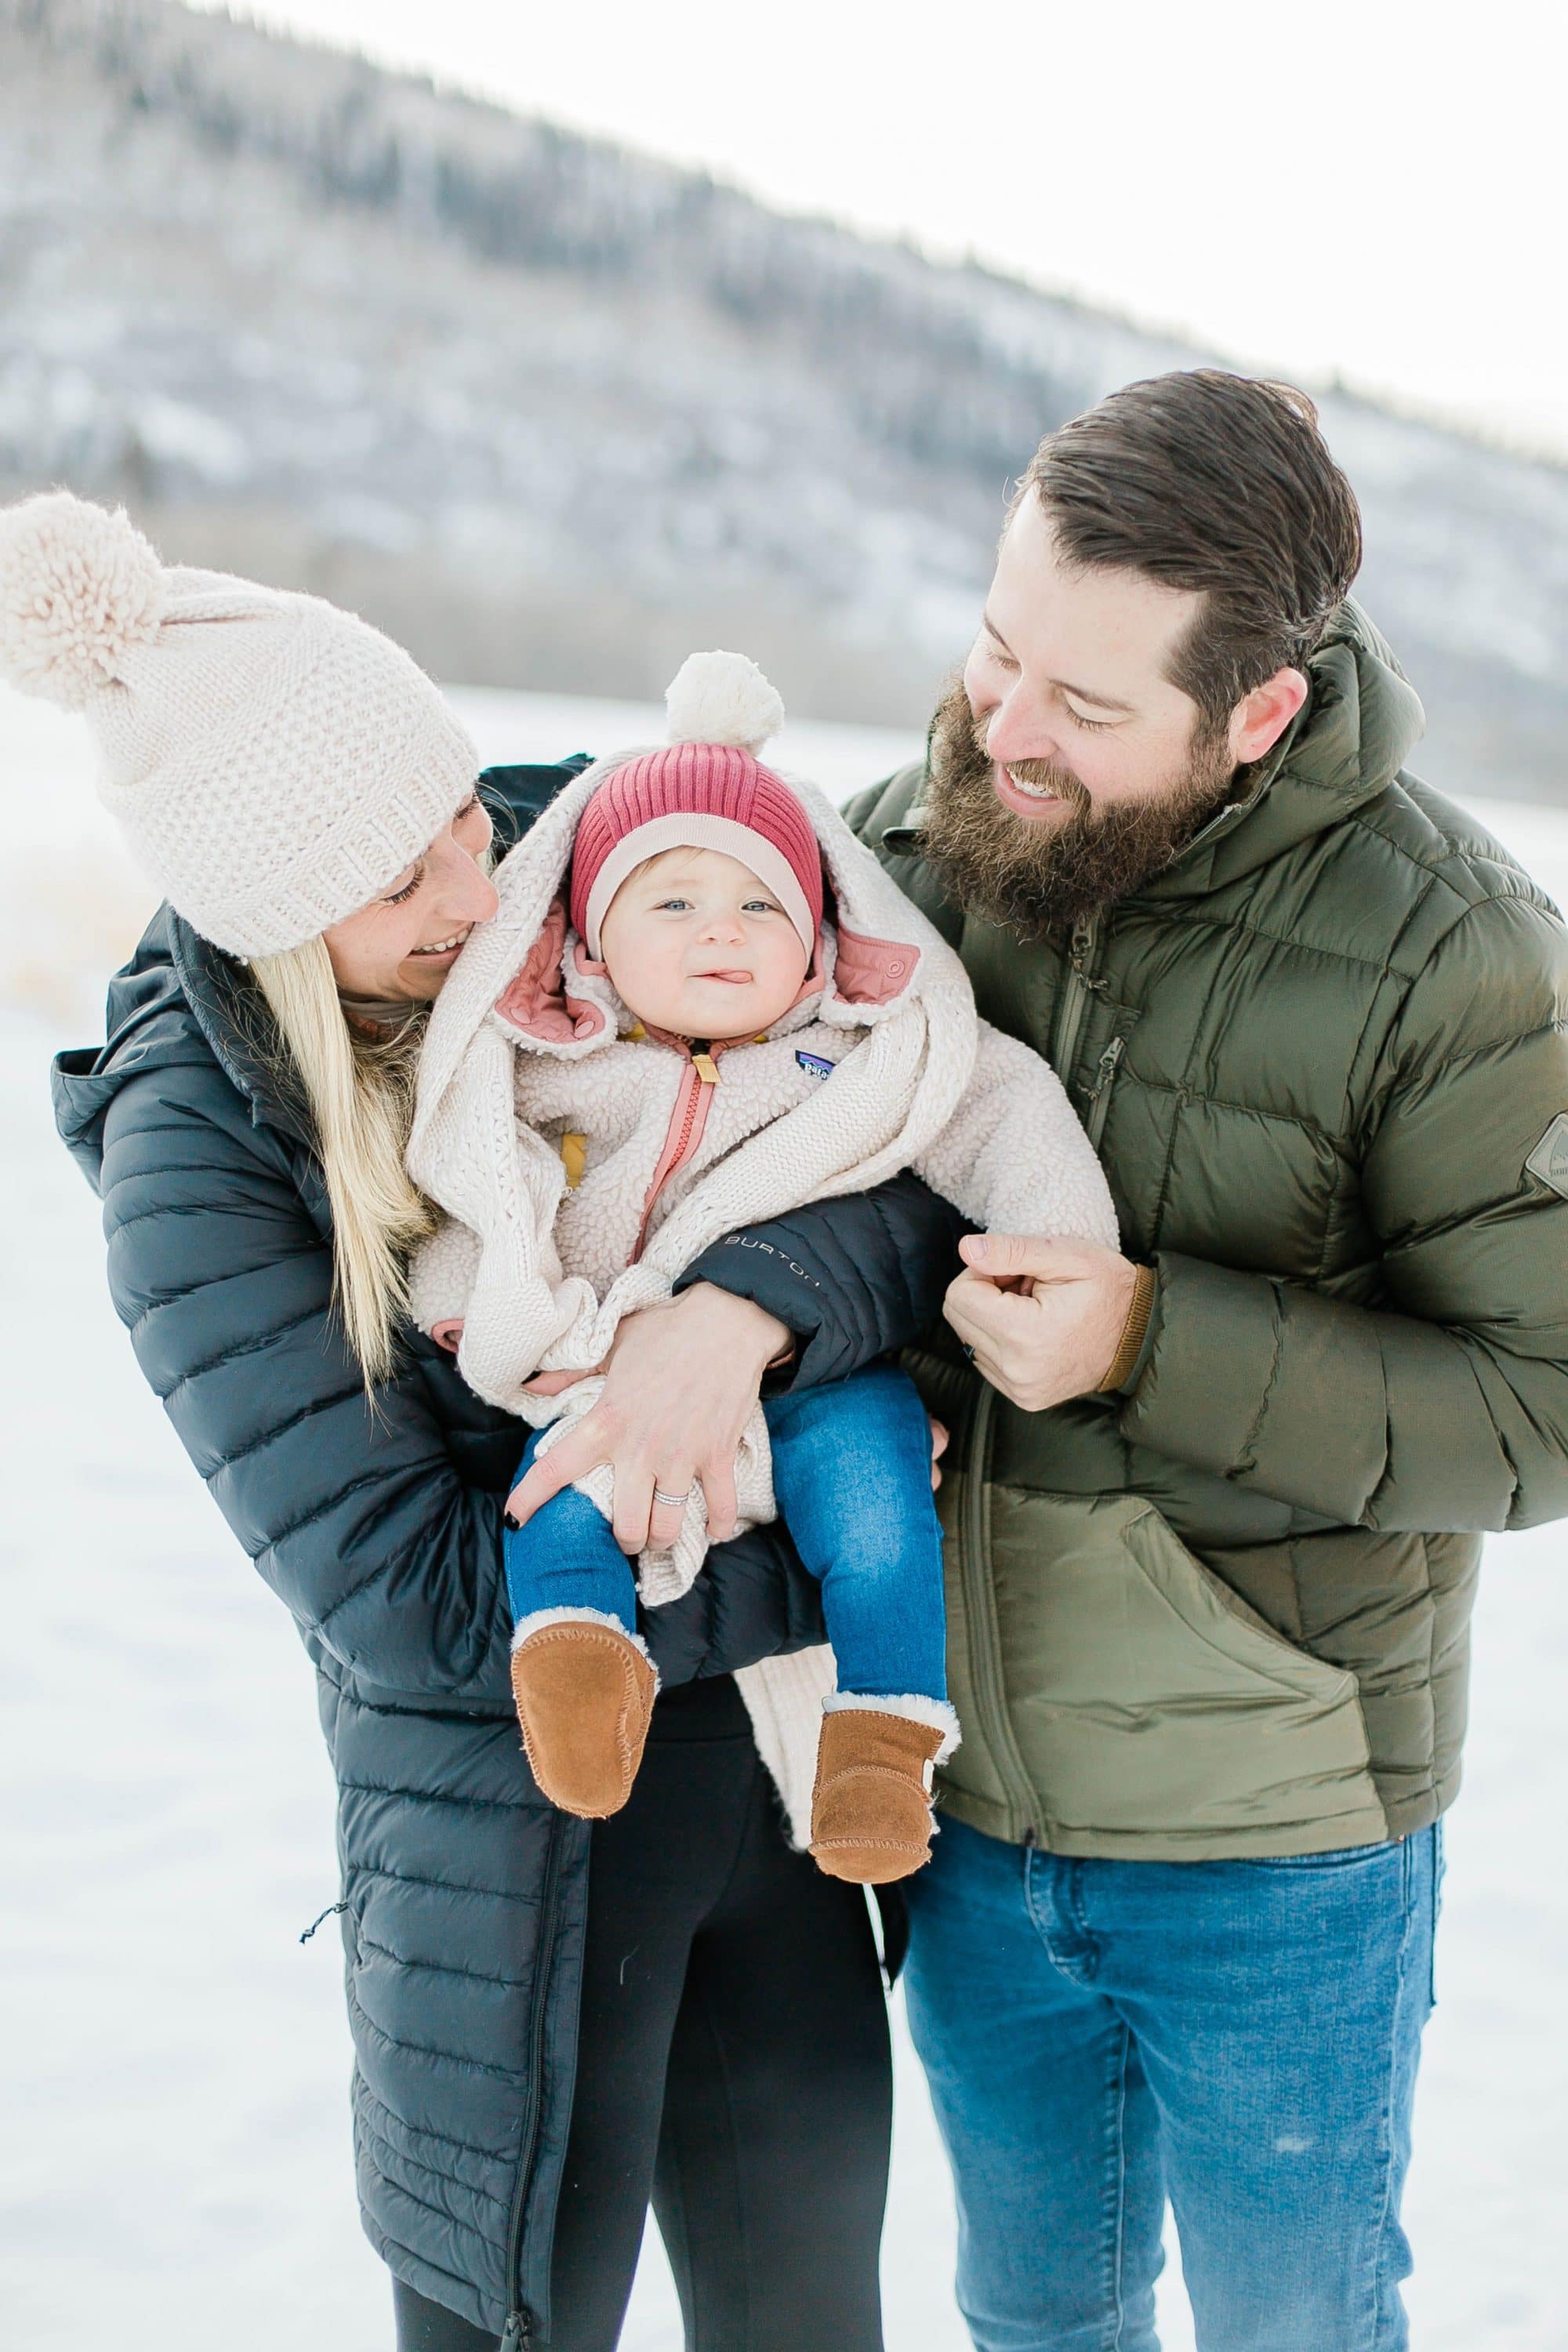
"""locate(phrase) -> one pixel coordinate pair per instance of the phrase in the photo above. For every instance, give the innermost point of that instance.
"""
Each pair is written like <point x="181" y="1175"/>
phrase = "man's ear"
<point x="1258" y="721"/>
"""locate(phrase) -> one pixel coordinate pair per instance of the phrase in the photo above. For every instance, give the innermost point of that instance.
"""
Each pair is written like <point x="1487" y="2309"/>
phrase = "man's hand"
<point x="1042" y="1319"/>
<point x="679" y="1388"/>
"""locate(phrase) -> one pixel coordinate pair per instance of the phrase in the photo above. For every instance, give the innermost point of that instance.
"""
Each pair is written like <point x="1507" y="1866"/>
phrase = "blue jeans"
<point x="1240" y="2037"/>
<point x="852" y="1479"/>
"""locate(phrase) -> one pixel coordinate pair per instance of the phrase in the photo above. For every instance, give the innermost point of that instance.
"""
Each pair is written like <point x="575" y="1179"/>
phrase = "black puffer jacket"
<point x="465" y="1894"/>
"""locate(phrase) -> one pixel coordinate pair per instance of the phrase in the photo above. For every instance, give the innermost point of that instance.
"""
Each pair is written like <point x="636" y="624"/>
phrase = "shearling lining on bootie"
<point x="584" y="1690"/>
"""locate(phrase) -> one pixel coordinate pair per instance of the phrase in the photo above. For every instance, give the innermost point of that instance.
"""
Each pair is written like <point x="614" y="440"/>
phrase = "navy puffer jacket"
<point x="380" y="1529"/>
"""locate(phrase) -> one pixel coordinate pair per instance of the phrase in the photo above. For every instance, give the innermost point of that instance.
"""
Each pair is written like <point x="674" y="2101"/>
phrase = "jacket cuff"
<point x="854" y="1277"/>
<point x="1135" y="1345"/>
<point x="749" y="1267"/>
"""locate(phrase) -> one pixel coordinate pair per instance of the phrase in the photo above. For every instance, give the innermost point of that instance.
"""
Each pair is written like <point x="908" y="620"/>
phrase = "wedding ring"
<point x="672" y="1502"/>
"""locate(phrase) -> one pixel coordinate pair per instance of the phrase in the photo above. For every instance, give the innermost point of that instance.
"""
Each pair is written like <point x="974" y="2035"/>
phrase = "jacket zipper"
<point x="686" y="1122"/>
<point x="518" y="2332"/>
<point x="1077" y="989"/>
<point x="985" y="1653"/>
<point x="1099" y="1097"/>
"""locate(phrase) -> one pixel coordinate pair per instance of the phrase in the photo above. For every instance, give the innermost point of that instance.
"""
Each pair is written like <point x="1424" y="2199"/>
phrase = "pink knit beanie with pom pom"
<point x="707" y="791"/>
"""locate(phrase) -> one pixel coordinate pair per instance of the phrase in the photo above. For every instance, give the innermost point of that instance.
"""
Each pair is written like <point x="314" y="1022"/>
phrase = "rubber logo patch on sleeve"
<point x="820" y="1068"/>
<point x="1549" y="1160"/>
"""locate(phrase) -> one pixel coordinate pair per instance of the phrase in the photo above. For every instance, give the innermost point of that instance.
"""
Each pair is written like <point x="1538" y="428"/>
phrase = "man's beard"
<point x="1038" y="877"/>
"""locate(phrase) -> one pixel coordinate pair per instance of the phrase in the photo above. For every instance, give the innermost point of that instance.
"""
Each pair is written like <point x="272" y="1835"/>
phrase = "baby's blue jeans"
<point x="852" y="1480"/>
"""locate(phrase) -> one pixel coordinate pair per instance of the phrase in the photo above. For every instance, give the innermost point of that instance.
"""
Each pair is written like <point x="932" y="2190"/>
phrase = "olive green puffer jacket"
<point x="1324" y="1058"/>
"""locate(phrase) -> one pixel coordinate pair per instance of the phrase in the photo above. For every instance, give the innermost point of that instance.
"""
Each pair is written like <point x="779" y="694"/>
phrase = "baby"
<point x="701" y="1003"/>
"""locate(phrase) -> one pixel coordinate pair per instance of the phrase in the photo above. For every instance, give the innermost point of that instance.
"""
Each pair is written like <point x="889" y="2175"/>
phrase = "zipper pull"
<point x="1096" y="1107"/>
<point x="702" y="1062"/>
<point x="1105" y="1069"/>
<point x="517" y="2331"/>
<point x="1084" y="939"/>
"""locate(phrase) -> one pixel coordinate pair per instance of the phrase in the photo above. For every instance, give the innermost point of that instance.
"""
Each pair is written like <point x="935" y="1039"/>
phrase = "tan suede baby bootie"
<point x="871" y="1810"/>
<point x="584" y="1691"/>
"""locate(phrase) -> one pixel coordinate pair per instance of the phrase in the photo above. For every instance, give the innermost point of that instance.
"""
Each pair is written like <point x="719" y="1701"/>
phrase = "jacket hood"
<point x="527" y="975"/>
<point x="1347" y="744"/>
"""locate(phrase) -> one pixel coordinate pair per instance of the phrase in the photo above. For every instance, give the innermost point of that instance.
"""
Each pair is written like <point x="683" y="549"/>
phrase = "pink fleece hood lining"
<point x="537" y="1002"/>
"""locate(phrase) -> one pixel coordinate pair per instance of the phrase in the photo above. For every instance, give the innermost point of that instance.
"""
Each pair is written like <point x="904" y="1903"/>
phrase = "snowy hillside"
<point x="555" y="412"/>
<point x="176" y="2066"/>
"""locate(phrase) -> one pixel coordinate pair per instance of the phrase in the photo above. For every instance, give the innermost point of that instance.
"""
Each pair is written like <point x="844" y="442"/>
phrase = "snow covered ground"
<point x="176" y="2174"/>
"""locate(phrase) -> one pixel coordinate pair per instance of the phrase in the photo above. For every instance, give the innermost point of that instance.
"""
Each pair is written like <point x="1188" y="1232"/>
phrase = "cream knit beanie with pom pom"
<point x="272" y="762"/>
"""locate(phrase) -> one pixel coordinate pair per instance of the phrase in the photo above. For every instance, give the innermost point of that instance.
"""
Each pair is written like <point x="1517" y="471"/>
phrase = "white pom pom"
<point x="723" y="699"/>
<point x="79" y="588"/>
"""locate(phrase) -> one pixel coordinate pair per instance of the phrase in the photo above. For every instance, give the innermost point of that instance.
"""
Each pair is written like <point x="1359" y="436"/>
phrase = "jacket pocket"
<point x="1155" y="1712"/>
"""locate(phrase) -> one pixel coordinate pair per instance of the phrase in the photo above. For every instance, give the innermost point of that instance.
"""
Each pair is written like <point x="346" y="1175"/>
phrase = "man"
<point x="1214" y="1511"/>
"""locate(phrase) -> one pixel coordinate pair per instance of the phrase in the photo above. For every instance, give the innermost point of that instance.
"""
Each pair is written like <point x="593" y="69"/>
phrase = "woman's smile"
<point x="443" y="949"/>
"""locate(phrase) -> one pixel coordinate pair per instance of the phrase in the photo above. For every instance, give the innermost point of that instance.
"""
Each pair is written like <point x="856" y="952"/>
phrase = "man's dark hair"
<point x="1220" y="484"/>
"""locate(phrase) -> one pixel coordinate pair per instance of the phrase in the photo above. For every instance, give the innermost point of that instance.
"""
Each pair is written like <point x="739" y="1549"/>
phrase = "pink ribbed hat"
<point x="707" y="794"/>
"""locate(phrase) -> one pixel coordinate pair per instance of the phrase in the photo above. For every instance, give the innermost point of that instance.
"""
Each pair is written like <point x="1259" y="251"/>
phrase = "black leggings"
<point x="732" y="2066"/>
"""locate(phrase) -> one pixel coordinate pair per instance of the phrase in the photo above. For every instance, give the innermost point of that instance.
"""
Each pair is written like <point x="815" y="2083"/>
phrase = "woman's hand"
<point x="679" y="1388"/>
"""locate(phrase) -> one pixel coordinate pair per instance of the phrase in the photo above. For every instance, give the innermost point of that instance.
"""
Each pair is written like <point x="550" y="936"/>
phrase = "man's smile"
<point x="1025" y="799"/>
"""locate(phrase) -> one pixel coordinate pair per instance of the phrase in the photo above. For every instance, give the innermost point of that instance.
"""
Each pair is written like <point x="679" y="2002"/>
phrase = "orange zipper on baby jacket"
<point x="687" y="1120"/>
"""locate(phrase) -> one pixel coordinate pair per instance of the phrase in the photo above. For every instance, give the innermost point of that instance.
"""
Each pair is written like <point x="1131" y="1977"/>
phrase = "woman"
<point x="548" y="2026"/>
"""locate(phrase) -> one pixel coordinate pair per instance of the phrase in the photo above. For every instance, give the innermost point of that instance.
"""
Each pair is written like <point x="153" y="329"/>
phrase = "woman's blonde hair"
<point x="360" y="1088"/>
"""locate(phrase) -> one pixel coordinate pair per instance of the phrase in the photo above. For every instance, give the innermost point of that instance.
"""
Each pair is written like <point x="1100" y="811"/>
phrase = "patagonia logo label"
<point x="1549" y="1160"/>
<point x="819" y="1068"/>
